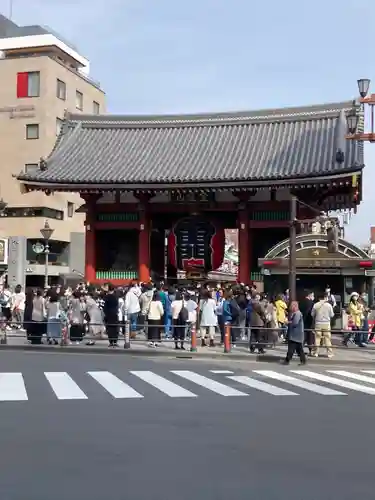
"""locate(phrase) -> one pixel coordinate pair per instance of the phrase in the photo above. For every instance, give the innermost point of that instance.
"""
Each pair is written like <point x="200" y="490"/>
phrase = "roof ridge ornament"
<point x="207" y="119"/>
<point x="42" y="164"/>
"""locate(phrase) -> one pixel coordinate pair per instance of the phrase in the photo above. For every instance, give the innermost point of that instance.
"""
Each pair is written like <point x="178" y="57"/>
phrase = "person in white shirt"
<point x="330" y="298"/>
<point x="6" y="305"/>
<point x="208" y="323"/>
<point x="192" y="307"/>
<point x="18" y="306"/>
<point x="132" y="308"/>
<point x="322" y="314"/>
<point x="155" y="315"/>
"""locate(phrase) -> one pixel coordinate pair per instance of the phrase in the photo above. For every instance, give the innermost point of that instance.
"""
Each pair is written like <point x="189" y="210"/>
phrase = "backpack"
<point x="4" y="300"/>
<point x="183" y="315"/>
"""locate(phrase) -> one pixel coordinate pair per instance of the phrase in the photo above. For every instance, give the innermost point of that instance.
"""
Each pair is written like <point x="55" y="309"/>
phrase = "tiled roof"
<point x="253" y="146"/>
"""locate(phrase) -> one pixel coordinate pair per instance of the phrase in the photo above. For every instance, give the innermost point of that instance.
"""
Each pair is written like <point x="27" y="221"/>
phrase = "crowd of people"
<point x="91" y="313"/>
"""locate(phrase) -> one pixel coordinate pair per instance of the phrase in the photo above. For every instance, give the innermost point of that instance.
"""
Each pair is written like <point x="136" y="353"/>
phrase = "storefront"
<point x="349" y="269"/>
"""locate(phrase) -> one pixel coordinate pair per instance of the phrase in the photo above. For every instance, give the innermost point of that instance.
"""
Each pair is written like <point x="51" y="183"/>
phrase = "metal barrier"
<point x="226" y="340"/>
<point x="127" y="335"/>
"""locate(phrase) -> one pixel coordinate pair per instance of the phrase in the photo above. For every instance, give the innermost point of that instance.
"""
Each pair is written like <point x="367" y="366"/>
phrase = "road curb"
<point x="181" y="355"/>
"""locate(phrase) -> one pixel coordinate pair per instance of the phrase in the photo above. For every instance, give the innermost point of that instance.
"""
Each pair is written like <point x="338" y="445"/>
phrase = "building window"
<point x="79" y="100"/>
<point x="61" y="89"/>
<point x="28" y="84"/>
<point x="31" y="168"/>
<point x="95" y="108"/>
<point x="59" y="124"/>
<point x="70" y="209"/>
<point x="32" y="131"/>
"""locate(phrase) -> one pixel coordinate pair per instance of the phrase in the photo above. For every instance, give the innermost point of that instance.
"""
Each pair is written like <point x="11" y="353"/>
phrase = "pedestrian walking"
<point x="322" y="313"/>
<point x="296" y="335"/>
<point x="110" y="310"/>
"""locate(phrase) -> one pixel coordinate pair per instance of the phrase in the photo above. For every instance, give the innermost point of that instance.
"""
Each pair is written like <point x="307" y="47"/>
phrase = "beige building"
<point x="42" y="76"/>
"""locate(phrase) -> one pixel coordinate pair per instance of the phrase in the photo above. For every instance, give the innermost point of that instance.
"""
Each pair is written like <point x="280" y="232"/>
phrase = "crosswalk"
<point x="179" y="384"/>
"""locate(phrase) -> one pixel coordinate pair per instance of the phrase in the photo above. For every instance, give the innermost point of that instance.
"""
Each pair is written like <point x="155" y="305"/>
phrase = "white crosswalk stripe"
<point x="354" y="376"/>
<point x="169" y="388"/>
<point x="12" y="387"/>
<point x="64" y="386"/>
<point x="299" y="383"/>
<point x="262" y="386"/>
<point x="116" y="387"/>
<point x="15" y="386"/>
<point x="221" y="372"/>
<point x="208" y="383"/>
<point x="336" y="381"/>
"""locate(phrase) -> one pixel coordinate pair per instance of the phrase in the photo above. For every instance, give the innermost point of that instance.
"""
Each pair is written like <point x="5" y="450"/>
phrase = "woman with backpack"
<point x="180" y="317"/>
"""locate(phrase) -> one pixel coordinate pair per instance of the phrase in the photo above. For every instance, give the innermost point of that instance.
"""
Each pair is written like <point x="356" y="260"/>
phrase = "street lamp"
<point x="46" y="233"/>
<point x="356" y="115"/>
<point x="363" y="86"/>
<point x="352" y="120"/>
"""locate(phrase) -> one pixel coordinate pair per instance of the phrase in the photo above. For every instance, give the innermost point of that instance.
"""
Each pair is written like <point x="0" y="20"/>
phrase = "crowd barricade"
<point x="265" y="338"/>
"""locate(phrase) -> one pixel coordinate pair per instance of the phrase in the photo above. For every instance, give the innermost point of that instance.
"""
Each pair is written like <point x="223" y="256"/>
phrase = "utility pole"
<point x="10" y="9"/>
<point x="293" y="249"/>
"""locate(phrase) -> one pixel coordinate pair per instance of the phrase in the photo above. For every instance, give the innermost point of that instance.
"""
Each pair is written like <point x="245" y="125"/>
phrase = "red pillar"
<point x="144" y="253"/>
<point x="243" y="247"/>
<point x="144" y="240"/>
<point x="250" y="233"/>
<point x="90" y="257"/>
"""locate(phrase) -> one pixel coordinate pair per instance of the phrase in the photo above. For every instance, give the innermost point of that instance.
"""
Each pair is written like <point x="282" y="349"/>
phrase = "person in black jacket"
<point x="306" y="307"/>
<point x="27" y="317"/>
<point x="110" y="310"/>
<point x="242" y="302"/>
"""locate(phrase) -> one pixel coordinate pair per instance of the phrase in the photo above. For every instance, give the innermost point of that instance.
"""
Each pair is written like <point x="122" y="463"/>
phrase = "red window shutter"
<point x="22" y="84"/>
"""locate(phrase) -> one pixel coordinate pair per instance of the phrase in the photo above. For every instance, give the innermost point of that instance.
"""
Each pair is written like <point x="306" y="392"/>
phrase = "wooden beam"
<point x="369" y="137"/>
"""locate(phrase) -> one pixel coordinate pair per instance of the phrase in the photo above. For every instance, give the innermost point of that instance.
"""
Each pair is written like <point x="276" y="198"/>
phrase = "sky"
<point x="182" y="56"/>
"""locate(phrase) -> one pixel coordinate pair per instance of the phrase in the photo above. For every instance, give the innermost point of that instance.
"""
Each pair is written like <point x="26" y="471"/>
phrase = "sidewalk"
<point x="342" y="355"/>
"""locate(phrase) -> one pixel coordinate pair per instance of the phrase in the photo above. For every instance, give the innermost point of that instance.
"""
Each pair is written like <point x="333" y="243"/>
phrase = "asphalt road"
<point x="161" y="447"/>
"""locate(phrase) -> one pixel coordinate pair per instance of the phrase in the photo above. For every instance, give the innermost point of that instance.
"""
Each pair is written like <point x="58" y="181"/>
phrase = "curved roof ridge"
<point x="226" y="117"/>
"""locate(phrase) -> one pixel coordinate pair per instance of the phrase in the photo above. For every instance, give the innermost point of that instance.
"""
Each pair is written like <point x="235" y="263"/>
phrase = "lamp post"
<point x="46" y="233"/>
<point x="356" y="115"/>
<point x="293" y="249"/>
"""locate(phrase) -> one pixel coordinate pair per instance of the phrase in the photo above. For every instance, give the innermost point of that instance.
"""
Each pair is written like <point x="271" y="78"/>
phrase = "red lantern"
<point x="196" y="243"/>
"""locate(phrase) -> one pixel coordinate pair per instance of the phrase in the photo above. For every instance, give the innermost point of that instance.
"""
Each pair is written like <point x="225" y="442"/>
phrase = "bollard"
<point x="64" y="336"/>
<point x="127" y="335"/>
<point x="227" y="345"/>
<point x="193" y="344"/>
<point x="4" y="337"/>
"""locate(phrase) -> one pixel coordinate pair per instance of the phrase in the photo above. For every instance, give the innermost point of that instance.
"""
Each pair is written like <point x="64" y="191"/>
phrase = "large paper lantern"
<point x="196" y="243"/>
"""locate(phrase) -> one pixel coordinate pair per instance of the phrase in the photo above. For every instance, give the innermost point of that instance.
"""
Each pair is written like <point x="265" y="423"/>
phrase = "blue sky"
<point x="166" y="56"/>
